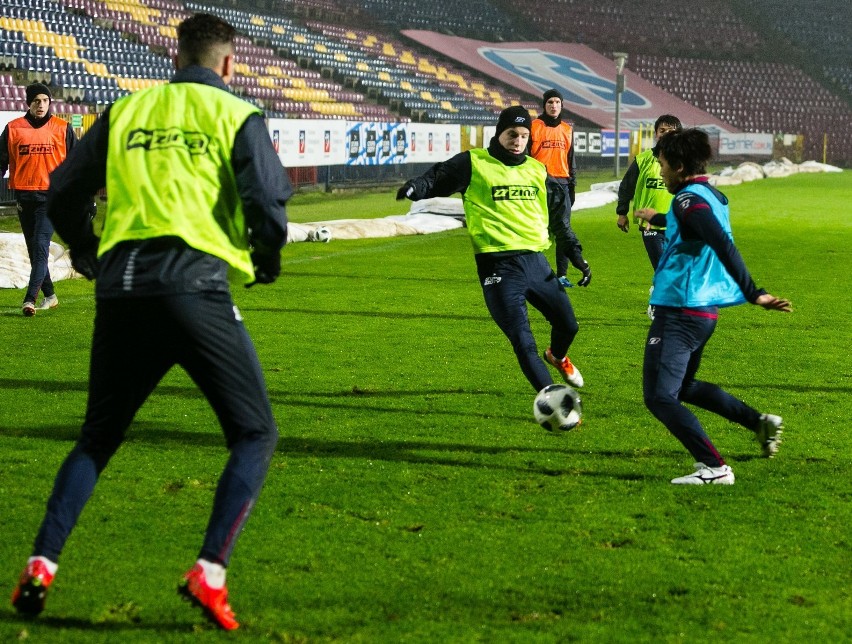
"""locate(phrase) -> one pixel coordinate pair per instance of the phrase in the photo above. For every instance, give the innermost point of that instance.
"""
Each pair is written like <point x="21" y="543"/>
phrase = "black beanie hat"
<point x="514" y="116"/>
<point x="35" y="89"/>
<point x="551" y="93"/>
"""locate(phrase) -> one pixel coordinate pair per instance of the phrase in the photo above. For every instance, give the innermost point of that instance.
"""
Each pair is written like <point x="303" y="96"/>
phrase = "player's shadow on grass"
<point x="159" y="631"/>
<point x="521" y="458"/>
<point x="396" y="316"/>
<point x="366" y="277"/>
<point x="428" y="453"/>
<point x="191" y="391"/>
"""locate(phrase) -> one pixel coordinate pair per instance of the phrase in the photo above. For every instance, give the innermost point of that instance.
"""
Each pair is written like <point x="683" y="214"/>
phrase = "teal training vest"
<point x="690" y="274"/>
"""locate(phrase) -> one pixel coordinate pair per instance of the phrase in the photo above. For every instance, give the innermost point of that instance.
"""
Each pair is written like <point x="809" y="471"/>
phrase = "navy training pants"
<point x="136" y="342"/>
<point x="655" y="243"/>
<point x="676" y="341"/>
<point x="508" y="283"/>
<point x="38" y="231"/>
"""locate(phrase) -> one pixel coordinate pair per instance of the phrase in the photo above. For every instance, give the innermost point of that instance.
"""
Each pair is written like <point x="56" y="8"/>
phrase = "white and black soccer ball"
<point x="322" y="234"/>
<point x="558" y="407"/>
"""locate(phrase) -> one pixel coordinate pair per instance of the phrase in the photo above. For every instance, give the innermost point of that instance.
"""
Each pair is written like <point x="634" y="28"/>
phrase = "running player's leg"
<point x="220" y="357"/>
<point x="655" y="243"/>
<point x="504" y="286"/>
<point x="128" y="359"/>
<point x="672" y="339"/>
<point x="549" y="298"/>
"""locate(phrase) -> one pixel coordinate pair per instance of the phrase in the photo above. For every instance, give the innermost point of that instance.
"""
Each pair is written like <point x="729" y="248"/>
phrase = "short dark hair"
<point x="670" y="120"/>
<point x="203" y="39"/>
<point x="689" y="149"/>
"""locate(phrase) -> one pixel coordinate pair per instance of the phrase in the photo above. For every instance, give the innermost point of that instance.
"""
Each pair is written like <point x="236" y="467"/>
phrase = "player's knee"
<point x="660" y="405"/>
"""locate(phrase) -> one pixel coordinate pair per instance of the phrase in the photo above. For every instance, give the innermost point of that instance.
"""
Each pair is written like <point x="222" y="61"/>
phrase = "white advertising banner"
<point x="743" y="144"/>
<point x="316" y="142"/>
<point x="385" y="143"/>
<point x="371" y="143"/>
<point x="432" y="142"/>
<point x="308" y="142"/>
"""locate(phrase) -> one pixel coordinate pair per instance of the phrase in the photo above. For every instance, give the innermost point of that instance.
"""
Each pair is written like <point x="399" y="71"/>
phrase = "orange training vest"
<point x="551" y="145"/>
<point x="35" y="152"/>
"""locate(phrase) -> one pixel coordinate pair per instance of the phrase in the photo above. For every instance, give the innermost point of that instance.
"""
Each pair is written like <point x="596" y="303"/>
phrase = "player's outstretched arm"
<point x="772" y="303"/>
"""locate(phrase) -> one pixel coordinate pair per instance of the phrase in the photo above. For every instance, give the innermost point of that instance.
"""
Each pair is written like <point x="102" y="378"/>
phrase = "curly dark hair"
<point x="203" y="39"/>
<point x="689" y="149"/>
<point x="668" y="119"/>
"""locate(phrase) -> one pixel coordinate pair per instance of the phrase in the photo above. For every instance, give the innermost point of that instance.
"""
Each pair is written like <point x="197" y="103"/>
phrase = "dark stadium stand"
<point x="823" y="32"/>
<point x="780" y="66"/>
<point x="644" y="27"/>
<point x="756" y="97"/>
<point x="726" y="58"/>
<point x="413" y="83"/>
<point x="478" y="19"/>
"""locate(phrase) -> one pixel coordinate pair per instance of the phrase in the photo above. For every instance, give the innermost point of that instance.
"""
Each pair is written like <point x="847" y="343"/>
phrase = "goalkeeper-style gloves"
<point x="84" y="258"/>
<point x="267" y="267"/>
<point x="587" y="275"/>
<point x="406" y="191"/>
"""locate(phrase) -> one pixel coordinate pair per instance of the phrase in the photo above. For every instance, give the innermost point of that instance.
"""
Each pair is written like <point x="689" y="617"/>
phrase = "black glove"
<point x="85" y="263"/>
<point x="84" y="258"/>
<point x="406" y="192"/>
<point x="267" y="268"/>
<point x="92" y="210"/>
<point x="587" y="275"/>
<point x="572" y="193"/>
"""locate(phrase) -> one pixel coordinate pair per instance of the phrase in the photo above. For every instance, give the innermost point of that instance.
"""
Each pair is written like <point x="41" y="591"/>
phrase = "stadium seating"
<point x="479" y="19"/>
<point x="822" y="31"/>
<point x="755" y="97"/>
<point x="708" y="55"/>
<point x="337" y="59"/>
<point x="645" y="27"/>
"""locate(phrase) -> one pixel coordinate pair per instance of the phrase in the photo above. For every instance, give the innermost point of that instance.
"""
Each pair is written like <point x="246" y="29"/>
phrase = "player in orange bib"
<point x="552" y="143"/>
<point x="31" y="146"/>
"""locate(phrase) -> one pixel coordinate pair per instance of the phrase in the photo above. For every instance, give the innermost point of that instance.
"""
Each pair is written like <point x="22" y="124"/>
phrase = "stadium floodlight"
<point x="620" y="61"/>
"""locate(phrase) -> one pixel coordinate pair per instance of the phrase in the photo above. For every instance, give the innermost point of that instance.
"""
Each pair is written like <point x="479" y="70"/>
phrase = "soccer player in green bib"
<point x="196" y="193"/>
<point x="643" y="185"/>
<point x="511" y="207"/>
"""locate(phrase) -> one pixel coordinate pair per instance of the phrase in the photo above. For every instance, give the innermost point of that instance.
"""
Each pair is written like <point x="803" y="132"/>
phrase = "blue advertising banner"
<point x="608" y="143"/>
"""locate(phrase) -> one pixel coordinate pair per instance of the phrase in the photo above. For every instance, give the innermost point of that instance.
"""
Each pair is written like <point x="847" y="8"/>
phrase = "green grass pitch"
<point x="414" y="499"/>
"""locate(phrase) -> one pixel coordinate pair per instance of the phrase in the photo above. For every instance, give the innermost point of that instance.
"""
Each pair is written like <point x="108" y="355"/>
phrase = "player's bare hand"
<point x="623" y="223"/>
<point x="645" y="213"/>
<point x="772" y="303"/>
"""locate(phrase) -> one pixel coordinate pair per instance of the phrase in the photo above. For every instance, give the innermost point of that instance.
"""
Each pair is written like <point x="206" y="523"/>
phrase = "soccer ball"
<point x="322" y="234"/>
<point x="558" y="407"/>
